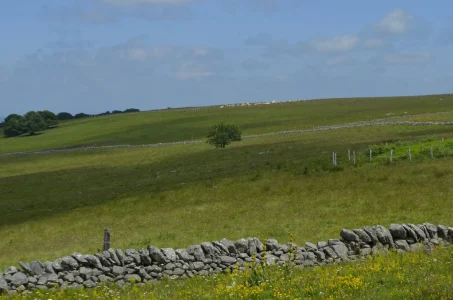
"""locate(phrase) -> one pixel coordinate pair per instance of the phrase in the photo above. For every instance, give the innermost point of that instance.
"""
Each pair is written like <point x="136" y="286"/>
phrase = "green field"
<point x="174" y="196"/>
<point x="187" y="124"/>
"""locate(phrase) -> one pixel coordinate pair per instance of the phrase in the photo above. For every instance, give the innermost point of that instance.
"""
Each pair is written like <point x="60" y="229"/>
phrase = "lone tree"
<point x="223" y="134"/>
<point x="14" y="125"/>
<point x="34" y="122"/>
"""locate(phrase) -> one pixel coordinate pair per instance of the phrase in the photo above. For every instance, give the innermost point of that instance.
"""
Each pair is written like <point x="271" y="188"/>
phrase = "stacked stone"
<point x="152" y="264"/>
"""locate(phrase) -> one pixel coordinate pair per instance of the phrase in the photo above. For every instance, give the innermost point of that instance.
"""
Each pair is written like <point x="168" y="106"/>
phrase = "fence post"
<point x="410" y="155"/>
<point x="371" y="155"/>
<point x="432" y="154"/>
<point x="391" y="155"/>
<point x="349" y="154"/>
<point x="333" y="158"/>
<point x="353" y="156"/>
<point x="106" y="239"/>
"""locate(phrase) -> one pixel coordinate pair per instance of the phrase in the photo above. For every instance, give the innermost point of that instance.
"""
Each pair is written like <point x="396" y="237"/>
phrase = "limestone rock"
<point x="349" y="235"/>
<point x="119" y="253"/>
<point x="371" y="234"/>
<point x="208" y="249"/>
<point x="221" y="248"/>
<point x="251" y="247"/>
<point x="272" y="245"/>
<point x="156" y="255"/>
<point x="68" y="263"/>
<point x="340" y="249"/>
<point x="311" y="246"/>
<point x="89" y="284"/>
<point x="184" y="255"/>
<point x="384" y="235"/>
<point x="80" y="258"/>
<point x="134" y="254"/>
<point x="322" y="244"/>
<point x="197" y="252"/>
<point x="18" y="279"/>
<point x="117" y="270"/>
<point x="411" y="233"/>
<point x="3" y="285"/>
<point x="198" y="265"/>
<point x="420" y="233"/>
<point x="94" y="261"/>
<point x="432" y="230"/>
<point x="402" y="245"/>
<point x="241" y="245"/>
<point x="442" y="231"/>
<point x="363" y="236"/>
<point x="229" y="245"/>
<point x="227" y="260"/>
<point x="169" y="253"/>
<point x="397" y="231"/>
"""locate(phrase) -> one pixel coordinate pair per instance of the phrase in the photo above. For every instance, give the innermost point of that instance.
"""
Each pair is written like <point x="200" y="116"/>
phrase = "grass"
<point x="181" y="195"/>
<point x="187" y="124"/>
<point x="174" y="196"/>
<point x="417" y="275"/>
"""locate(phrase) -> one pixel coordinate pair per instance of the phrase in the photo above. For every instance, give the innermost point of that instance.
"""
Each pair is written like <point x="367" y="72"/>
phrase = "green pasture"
<point x="187" y="124"/>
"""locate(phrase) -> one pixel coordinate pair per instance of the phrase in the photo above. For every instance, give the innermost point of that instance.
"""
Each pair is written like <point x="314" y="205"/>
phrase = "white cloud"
<point x="335" y="44"/>
<point x="339" y="60"/>
<point x="406" y="58"/>
<point x="395" y="22"/>
<point x="185" y="75"/>
<point x="254" y="65"/>
<point x="373" y="43"/>
<point x="141" y="2"/>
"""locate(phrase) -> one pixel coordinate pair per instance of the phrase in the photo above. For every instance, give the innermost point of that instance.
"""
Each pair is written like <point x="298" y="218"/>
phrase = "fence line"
<point x="409" y="153"/>
<point x="315" y="129"/>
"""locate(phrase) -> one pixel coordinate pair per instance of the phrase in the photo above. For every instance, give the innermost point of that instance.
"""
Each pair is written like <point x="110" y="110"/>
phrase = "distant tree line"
<point x="37" y="121"/>
<point x="31" y="123"/>
<point x="67" y="116"/>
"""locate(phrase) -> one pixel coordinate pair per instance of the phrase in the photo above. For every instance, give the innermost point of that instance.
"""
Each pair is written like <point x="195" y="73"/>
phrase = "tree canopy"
<point x="49" y="117"/>
<point x="34" y="122"/>
<point x="64" y="116"/>
<point x="14" y="125"/>
<point x="222" y="135"/>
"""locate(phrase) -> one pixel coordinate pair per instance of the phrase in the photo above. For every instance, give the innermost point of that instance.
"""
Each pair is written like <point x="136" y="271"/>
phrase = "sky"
<point x="97" y="55"/>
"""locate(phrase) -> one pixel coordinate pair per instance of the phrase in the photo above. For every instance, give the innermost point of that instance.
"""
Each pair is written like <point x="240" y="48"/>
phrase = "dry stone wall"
<point x="152" y="264"/>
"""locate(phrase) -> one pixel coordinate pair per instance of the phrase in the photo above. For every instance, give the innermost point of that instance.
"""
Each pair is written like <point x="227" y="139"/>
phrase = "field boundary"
<point x="376" y="122"/>
<point x="209" y="258"/>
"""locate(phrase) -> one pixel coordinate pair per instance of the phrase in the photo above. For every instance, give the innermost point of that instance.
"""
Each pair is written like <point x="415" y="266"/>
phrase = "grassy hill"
<point x="187" y="124"/>
<point x="55" y="204"/>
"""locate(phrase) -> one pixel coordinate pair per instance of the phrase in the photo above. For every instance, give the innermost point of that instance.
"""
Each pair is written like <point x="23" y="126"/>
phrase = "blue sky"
<point x="97" y="55"/>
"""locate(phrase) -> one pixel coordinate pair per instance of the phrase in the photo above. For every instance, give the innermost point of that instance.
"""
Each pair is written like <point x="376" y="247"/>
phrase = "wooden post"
<point x="349" y="154"/>
<point x="333" y="158"/>
<point x="371" y="155"/>
<point x="391" y="155"/>
<point x="410" y="155"/>
<point x="106" y="239"/>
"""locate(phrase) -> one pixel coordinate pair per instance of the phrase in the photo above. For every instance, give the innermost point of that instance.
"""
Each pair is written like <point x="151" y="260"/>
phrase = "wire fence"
<point x="377" y="122"/>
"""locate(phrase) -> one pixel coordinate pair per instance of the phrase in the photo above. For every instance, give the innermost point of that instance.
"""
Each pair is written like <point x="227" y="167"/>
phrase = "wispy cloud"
<point x="145" y="2"/>
<point x="404" y="58"/>
<point x="396" y="21"/>
<point x="335" y="44"/>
